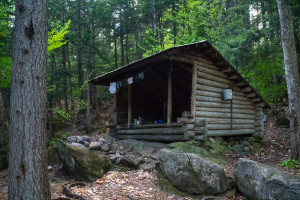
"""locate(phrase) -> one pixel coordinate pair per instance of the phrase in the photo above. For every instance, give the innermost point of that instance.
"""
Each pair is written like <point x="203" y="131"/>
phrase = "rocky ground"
<point x="143" y="182"/>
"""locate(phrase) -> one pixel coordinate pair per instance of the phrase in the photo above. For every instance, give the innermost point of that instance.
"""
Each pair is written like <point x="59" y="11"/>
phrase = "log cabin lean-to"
<point x="187" y="92"/>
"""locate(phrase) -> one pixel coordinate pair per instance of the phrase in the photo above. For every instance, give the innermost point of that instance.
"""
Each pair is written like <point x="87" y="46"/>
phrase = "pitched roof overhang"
<point x="202" y="47"/>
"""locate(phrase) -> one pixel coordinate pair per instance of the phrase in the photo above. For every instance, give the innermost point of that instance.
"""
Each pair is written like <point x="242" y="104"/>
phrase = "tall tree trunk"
<point x="70" y="77"/>
<point x="126" y="48"/>
<point x="64" y="61"/>
<point x="116" y="51"/>
<point x="154" y="23"/>
<point x="3" y="123"/>
<point x="292" y="74"/>
<point x="122" y="46"/>
<point x="28" y="174"/>
<point x="79" y="51"/>
<point x="174" y="23"/>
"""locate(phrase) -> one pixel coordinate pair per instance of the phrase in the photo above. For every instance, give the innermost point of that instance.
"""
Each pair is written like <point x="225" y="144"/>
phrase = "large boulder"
<point x="192" y="173"/>
<point x="258" y="181"/>
<point x="82" y="162"/>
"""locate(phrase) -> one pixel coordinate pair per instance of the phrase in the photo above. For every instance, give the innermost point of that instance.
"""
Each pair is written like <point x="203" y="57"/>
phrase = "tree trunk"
<point x="28" y="174"/>
<point x="154" y="23"/>
<point x="122" y="46"/>
<point x="116" y="51"/>
<point x="64" y="61"/>
<point x="292" y="74"/>
<point x="70" y="78"/>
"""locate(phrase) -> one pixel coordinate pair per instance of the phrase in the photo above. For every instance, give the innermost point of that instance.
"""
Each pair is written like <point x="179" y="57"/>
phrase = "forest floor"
<point x="140" y="184"/>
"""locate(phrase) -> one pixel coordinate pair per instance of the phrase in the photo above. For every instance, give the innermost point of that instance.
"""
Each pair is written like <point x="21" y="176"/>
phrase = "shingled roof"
<point x="203" y="47"/>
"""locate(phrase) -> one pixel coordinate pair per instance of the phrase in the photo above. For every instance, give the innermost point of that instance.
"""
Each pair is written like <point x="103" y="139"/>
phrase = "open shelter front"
<point x="183" y="93"/>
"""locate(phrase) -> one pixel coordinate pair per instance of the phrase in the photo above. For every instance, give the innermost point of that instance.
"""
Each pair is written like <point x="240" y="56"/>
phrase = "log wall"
<point x="238" y="116"/>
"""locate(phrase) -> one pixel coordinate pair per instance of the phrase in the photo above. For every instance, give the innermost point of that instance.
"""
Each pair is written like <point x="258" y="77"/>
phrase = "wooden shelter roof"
<point x="202" y="47"/>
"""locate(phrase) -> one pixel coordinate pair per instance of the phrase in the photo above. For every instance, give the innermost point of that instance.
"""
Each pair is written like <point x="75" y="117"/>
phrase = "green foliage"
<point x="290" y="164"/>
<point x="5" y="71"/>
<point x="61" y="136"/>
<point x="56" y="37"/>
<point x="268" y="78"/>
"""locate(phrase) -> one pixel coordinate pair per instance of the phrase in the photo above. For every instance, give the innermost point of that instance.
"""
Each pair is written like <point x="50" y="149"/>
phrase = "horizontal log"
<point x="228" y="126"/>
<point x="199" y="137"/>
<point x="259" y="108"/>
<point x="221" y="105"/>
<point x="203" y="69"/>
<point x="188" y="127"/>
<point x="214" y="78"/>
<point x="220" y="100"/>
<point x="224" y="115"/>
<point x="164" y="138"/>
<point x="212" y="83"/>
<point x="259" y="122"/>
<point x="252" y="94"/>
<point x="151" y="131"/>
<point x="240" y="98"/>
<point x="217" y="89"/>
<point x="234" y="77"/>
<point x="230" y="132"/>
<point x="164" y="125"/>
<point x="241" y="83"/>
<point x="226" y="110"/>
<point x="246" y="89"/>
<point x="211" y="120"/>
<point x="261" y="104"/>
<point x="258" y="99"/>
<point x="209" y="94"/>
<point x="226" y="70"/>
<point x="196" y="58"/>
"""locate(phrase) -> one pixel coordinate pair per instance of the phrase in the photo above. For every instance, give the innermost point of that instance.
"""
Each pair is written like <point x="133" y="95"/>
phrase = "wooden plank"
<point x="234" y="77"/>
<point x="221" y="105"/>
<point x="193" y="92"/>
<point x="208" y="88"/>
<point x="230" y="132"/>
<point x="261" y="104"/>
<point x="129" y="106"/>
<point x="211" y="71"/>
<point x="226" y="70"/>
<point x="145" y="126"/>
<point x="169" y="117"/>
<point x="242" y="83"/>
<point x="209" y="94"/>
<point x="164" y="138"/>
<point x="228" y="126"/>
<point x="151" y="131"/>
<point x="246" y="89"/>
<point x="255" y="99"/>
<point x="227" y="110"/>
<point x="214" y="78"/>
<point x="235" y="97"/>
<point x="252" y="94"/>
<point x="224" y="115"/>
<point x="227" y="120"/>
<point x="220" y="100"/>
<point x="212" y="83"/>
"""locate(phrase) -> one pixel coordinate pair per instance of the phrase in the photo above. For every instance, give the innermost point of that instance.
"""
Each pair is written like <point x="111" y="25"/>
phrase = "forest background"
<point x="88" y="38"/>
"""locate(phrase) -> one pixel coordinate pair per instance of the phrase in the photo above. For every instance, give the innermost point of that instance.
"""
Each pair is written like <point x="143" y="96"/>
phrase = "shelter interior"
<point x="149" y="96"/>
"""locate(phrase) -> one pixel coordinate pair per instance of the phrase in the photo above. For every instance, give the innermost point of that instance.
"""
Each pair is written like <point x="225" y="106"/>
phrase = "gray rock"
<point x="107" y="147"/>
<point x="192" y="173"/>
<point x="72" y="139"/>
<point x="80" y="146"/>
<point x="257" y="181"/>
<point x="113" y="158"/>
<point x="128" y="144"/>
<point x="149" y="167"/>
<point x="95" y="146"/>
<point x="80" y="162"/>
<point x="128" y="162"/>
<point x="84" y="138"/>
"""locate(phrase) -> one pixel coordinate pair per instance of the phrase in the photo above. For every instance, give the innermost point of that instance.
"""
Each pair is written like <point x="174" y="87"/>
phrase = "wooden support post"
<point x="193" y="92"/>
<point x="169" y="119"/>
<point x="129" y="105"/>
<point x="115" y="115"/>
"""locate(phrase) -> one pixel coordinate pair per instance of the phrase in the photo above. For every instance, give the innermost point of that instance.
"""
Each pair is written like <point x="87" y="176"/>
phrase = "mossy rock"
<point x="188" y="148"/>
<point x="82" y="162"/>
<point x="257" y="146"/>
<point x="52" y="155"/>
<point x="218" y="147"/>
